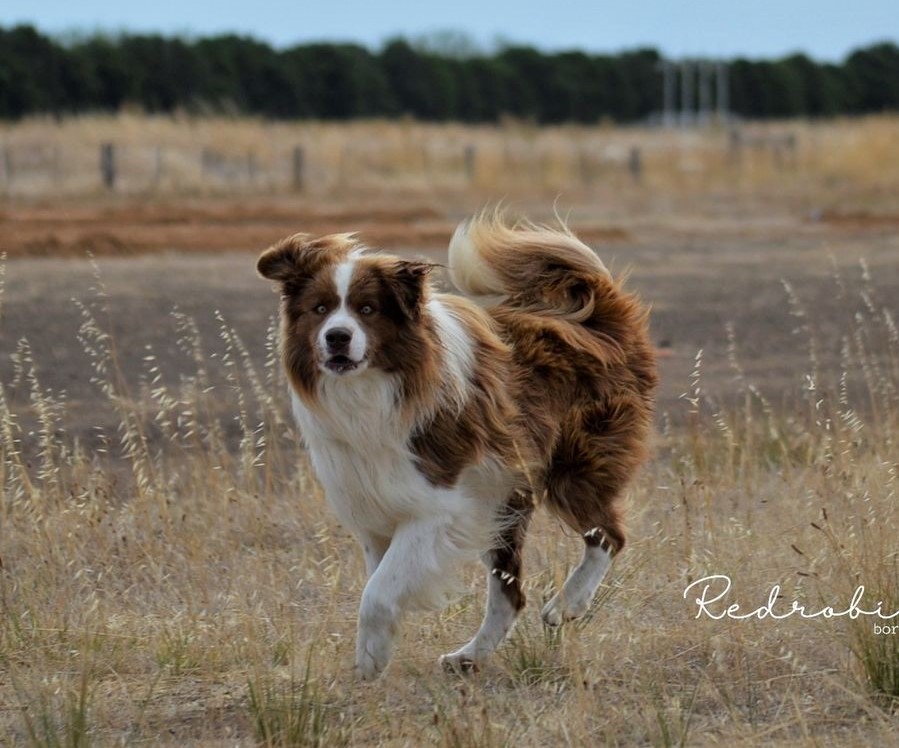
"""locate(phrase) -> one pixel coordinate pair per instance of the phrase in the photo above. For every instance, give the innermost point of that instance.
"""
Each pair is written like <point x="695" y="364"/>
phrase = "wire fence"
<point x="35" y="168"/>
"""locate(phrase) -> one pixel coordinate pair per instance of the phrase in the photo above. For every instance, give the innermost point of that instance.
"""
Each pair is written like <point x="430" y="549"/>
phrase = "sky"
<point x="824" y="29"/>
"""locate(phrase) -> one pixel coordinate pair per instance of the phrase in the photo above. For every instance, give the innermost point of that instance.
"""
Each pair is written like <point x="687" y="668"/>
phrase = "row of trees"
<point x="40" y="74"/>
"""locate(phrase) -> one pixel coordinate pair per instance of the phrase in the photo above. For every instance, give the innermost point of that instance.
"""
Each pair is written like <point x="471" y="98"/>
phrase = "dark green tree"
<point x="873" y="76"/>
<point x="443" y="77"/>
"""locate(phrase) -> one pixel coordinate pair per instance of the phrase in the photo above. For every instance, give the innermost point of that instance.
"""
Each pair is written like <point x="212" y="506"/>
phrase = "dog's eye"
<point x="321" y="309"/>
<point x="366" y="310"/>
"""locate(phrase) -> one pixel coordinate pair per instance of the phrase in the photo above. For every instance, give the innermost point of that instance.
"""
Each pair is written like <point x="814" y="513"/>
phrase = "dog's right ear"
<point x="294" y="260"/>
<point x="287" y="260"/>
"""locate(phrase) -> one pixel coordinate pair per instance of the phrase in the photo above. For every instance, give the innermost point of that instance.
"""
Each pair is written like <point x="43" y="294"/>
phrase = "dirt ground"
<point x="699" y="273"/>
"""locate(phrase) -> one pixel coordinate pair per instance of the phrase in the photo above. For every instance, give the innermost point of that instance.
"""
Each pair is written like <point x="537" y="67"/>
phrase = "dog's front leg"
<point x="400" y="576"/>
<point x="373" y="548"/>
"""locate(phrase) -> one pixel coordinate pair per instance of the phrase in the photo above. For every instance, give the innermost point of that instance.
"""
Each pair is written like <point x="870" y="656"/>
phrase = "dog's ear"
<point x="294" y="260"/>
<point x="285" y="260"/>
<point x="407" y="280"/>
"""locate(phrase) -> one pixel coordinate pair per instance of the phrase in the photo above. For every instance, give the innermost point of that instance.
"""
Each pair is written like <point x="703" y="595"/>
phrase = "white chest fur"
<point x="358" y="443"/>
<point x="357" y="446"/>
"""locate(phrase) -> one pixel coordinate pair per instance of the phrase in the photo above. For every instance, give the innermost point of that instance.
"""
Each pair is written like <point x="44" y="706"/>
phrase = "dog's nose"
<point x="338" y="336"/>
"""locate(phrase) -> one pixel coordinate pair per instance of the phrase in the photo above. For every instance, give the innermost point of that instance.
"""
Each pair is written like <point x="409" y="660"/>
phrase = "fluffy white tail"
<point x="489" y="256"/>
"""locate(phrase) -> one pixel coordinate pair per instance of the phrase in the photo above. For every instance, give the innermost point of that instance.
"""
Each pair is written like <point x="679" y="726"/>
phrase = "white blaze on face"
<point x="343" y="318"/>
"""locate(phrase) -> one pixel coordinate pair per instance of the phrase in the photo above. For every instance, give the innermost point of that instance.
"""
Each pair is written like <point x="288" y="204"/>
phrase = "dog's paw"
<point x="372" y="655"/>
<point x="367" y="668"/>
<point x="558" y="611"/>
<point x="459" y="662"/>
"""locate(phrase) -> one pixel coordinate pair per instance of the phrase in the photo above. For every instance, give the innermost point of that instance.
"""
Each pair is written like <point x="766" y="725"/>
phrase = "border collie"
<point x="436" y="426"/>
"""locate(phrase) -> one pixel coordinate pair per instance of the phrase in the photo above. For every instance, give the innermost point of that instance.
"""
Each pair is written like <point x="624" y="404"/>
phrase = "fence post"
<point x="299" y="168"/>
<point x="108" y="165"/>
<point x="785" y="151"/>
<point x="735" y="146"/>
<point x="470" y="156"/>
<point x="583" y="165"/>
<point x="7" y="169"/>
<point x="57" y="171"/>
<point x="206" y="164"/>
<point x="635" y="164"/>
<point x="158" y="165"/>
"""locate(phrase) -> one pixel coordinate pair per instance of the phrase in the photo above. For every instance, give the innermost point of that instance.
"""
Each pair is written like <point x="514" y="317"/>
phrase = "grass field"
<point x="170" y="573"/>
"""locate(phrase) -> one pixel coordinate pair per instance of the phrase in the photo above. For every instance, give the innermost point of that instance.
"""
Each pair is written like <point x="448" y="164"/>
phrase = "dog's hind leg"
<point x="505" y="598"/>
<point x="589" y="469"/>
<point x="573" y="600"/>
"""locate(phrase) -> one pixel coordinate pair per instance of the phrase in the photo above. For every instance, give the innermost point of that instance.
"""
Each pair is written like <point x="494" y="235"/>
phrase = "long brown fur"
<point x="560" y="393"/>
<point x="583" y="371"/>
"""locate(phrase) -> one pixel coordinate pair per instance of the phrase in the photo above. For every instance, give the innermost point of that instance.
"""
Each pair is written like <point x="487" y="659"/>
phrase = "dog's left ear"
<point x="407" y="280"/>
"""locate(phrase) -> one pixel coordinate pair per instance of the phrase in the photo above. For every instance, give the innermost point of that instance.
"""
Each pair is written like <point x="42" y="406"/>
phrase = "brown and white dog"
<point x="435" y="426"/>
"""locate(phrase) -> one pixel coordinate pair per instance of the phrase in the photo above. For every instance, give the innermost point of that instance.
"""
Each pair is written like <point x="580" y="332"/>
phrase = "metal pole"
<point x="705" y="92"/>
<point x="666" y="67"/>
<point x="686" y="93"/>
<point x="721" y="98"/>
<point x="669" y="89"/>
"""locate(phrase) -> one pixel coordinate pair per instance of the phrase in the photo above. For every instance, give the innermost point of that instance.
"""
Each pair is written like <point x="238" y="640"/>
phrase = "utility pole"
<point x="669" y="92"/>
<point x="722" y="103"/>
<point x="686" y="93"/>
<point x="705" y="92"/>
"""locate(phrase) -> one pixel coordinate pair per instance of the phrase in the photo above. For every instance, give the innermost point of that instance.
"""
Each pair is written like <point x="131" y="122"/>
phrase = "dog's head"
<point x="343" y="311"/>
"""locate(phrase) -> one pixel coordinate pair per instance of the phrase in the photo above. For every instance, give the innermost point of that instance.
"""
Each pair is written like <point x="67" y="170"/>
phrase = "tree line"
<point x="40" y="74"/>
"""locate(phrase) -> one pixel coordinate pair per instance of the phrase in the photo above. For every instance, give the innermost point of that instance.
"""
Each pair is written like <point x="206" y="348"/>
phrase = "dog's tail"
<point x="540" y="269"/>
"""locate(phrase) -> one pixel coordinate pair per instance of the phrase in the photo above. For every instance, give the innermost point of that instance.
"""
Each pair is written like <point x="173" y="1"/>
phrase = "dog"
<point x="436" y="426"/>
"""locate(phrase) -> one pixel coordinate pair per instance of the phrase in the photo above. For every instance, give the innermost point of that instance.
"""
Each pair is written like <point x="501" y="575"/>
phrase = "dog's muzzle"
<point x="337" y="341"/>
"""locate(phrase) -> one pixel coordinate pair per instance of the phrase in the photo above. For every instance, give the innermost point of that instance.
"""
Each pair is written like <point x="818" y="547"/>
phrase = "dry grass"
<point x="161" y="155"/>
<point x="200" y="591"/>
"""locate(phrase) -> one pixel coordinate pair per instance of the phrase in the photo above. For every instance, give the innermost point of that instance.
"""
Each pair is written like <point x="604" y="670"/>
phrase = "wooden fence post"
<point x="206" y="162"/>
<point x="299" y="168"/>
<point x="635" y="164"/>
<point x="583" y="165"/>
<point x="7" y="169"/>
<point x="158" y="165"/>
<point x="470" y="157"/>
<point x="55" y="166"/>
<point x="735" y="146"/>
<point x="108" y="165"/>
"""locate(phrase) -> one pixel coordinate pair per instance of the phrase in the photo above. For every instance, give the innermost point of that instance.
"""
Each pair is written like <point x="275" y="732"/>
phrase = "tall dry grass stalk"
<point x="182" y="580"/>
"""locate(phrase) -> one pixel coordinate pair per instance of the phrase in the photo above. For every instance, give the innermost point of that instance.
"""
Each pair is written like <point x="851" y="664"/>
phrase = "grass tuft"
<point x="294" y="712"/>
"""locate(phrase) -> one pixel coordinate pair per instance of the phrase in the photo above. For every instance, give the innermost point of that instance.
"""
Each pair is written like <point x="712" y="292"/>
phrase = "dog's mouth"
<point x="342" y="364"/>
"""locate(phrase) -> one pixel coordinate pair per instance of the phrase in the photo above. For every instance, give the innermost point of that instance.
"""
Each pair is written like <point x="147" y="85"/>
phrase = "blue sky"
<point x="756" y="28"/>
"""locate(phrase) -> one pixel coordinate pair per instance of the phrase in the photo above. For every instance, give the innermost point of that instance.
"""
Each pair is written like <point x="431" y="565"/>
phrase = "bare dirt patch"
<point x="699" y="275"/>
<point x="128" y="226"/>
